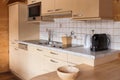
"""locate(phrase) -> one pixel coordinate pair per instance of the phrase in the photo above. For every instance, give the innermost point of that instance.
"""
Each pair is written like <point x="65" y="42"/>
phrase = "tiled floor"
<point x="8" y="76"/>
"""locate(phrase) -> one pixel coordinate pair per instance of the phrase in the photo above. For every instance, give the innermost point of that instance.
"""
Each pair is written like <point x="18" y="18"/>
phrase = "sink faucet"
<point x="50" y="36"/>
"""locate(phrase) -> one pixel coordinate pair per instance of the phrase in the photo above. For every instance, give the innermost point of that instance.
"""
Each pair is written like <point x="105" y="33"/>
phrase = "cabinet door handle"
<point x="53" y="53"/>
<point x="33" y="1"/>
<point x="77" y="15"/>
<point x="53" y="61"/>
<point x="58" y="9"/>
<point x="39" y="50"/>
<point x="50" y="11"/>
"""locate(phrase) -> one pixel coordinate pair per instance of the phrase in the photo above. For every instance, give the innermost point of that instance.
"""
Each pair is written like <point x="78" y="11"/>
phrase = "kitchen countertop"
<point x="107" y="71"/>
<point x="75" y="50"/>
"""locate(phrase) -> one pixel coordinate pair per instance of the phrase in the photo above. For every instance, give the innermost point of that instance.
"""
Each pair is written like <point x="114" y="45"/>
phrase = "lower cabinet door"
<point x="35" y="61"/>
<point x="23" y="64"/>
<point x="35" y="64"/>
<point x="13" y="59"/>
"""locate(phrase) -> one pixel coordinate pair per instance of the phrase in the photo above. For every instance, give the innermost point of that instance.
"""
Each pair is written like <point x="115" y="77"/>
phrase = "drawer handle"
<point x="16" y="49"/>
<point x="39" y="50"/>
<point x="13" y="43"/>
<point x="53" y="61"/>
<point x="50" y="11"/>
<point x="53" y="53"/>
<point x="58" y="9"/>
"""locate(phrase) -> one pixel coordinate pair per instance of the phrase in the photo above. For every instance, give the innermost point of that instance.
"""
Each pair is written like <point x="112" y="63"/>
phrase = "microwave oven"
<point x="34" y="12"/>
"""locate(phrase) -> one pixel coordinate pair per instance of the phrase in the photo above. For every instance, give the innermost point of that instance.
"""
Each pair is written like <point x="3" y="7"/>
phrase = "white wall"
<point x="66" y="25"/>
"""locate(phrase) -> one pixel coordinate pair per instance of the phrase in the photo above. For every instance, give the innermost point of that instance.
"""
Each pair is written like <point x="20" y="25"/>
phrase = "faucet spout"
<point x="50" y="35"/>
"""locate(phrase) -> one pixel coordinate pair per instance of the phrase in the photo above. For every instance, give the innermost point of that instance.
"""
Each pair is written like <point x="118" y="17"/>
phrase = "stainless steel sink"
<point x="50" y="44"/>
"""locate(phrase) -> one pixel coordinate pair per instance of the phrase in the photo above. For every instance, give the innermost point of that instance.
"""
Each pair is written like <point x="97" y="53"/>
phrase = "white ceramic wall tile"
<point x="104" y="24"/>
<point x="110" y="31"/>
<point x="98" y="23"/>
<point x="112" y="46"/>
<point x="110" y="24"/>
<point x="112" y="39"/>
<point x="117" y="25"/>
<point x="97" y="31"/>
<point x="115" y="46"/>
<point x="117" y="32"/>
<point x="80" y="28"/>
<point x="117" y="39"/>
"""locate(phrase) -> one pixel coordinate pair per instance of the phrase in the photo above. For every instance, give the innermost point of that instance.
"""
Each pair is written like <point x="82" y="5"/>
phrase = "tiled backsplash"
<point x="64" y="27"/>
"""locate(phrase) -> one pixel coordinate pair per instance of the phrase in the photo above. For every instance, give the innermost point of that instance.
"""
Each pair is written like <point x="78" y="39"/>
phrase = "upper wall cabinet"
<point x="93" y="9"/>
<point x="54" y="6"/>
<point x="116" y="10"/>
<point x="79" y="9"/>
<point x="47" y="6"/>
<point x="64" y="5"/>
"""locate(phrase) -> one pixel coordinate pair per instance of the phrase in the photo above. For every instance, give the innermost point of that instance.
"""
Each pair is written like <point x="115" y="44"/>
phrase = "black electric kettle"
<point x="100" y="42"/>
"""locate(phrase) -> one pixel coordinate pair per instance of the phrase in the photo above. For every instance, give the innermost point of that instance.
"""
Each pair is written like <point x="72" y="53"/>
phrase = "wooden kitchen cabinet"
<point x="14" y="59"/>
<point x="93" y="9"/>
<point x="23" y="64"/>
<point x="48" y="6"/>
<point x="51" y="6"/>
<point x="19" y="29"/>
<point x="116" y="10"/>
<point x="64" y="5"/>
<point x="18" y="62"/>
<point x="54" y="6"/>
<point x="13" y="23"/>
<point x="80" y="9"/>
<point x="42" y="61"/>
<point x="36" y="61"/>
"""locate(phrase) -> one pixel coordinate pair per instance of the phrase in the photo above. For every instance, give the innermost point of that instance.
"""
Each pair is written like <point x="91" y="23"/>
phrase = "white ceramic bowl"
<point x="68" y="72"/>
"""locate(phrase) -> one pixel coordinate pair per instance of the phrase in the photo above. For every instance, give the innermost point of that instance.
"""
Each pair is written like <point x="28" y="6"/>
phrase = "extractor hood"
<point x="64" y="14"/>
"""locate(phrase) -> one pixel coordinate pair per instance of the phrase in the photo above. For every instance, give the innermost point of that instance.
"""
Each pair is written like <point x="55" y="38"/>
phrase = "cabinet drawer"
<point x="53" y="64"/>
<point x="35" y="48"/>
<point x="57" y="55"/>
